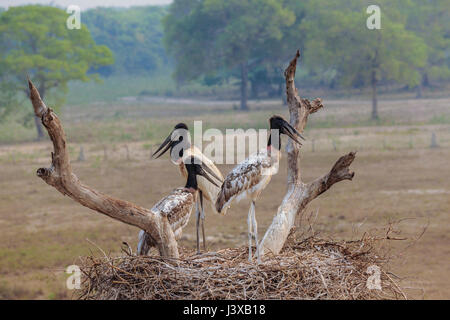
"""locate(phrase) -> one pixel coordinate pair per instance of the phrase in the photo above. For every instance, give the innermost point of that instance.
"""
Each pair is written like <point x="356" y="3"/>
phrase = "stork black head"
<point x="195" y="167"/>
<point x="277" y="122"/>
<point x="178" y="135"/>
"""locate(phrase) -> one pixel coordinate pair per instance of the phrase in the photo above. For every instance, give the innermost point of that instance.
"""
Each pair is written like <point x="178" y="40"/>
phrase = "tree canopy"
<point x="359" y="56"/>
<point x="430" y="20"/>
<point x="207" y="37"/>
<point x="35" y="41"/>
<point x="250" y="39"/>
<point x="244" y="42"/>
<point x="134" y="35"/>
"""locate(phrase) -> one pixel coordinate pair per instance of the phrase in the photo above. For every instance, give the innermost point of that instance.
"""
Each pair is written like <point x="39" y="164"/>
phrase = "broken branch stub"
<point x="60" y="176"/>
<point x="299" y="194"/>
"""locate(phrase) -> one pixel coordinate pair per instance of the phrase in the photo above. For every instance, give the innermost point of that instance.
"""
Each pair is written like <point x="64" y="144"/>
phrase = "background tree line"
<point x="240" y="43"/>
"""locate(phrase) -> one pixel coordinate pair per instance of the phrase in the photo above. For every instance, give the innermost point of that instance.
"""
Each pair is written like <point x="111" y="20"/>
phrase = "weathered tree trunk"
<point x="244" y="83"/>
<point x="419" y="91"/>
<point x="425" y="80"/>
<point x="60" y="176"/>
<point x="299" y="194"/>
<point x="374" y="97"/>
<point x="255" y="89"/>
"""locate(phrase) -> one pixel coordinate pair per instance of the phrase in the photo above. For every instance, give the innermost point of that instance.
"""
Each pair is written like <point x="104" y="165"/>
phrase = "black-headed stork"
<point x="249" y="178"/>
<point x="178" y="143"/>
<point x="177" y="206"/>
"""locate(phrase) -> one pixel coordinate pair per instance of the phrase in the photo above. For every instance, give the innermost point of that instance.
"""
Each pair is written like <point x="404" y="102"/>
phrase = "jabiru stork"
<point x="249" y="178"/>
<point x="178" y="143"/>
<point x="177" y="206"/>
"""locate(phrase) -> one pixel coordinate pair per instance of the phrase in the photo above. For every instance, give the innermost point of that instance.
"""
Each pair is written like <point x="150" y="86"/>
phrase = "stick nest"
<point x="311" y="268"/>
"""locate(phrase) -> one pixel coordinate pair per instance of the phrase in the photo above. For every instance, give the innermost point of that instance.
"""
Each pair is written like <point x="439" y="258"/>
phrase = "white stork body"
<point x="179" y="137"/>
<point x="208" y="190"/>
<point x="177" y="207"/>
<point x="249" y="178"/>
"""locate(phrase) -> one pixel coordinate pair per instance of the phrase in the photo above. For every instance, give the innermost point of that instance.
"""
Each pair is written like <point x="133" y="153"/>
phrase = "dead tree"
<point x="299" y="194"/>
<point x="60" y="176"/>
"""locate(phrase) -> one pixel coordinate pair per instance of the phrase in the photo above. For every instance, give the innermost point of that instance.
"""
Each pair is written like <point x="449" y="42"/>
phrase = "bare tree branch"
<point x="299" y="110"/>
<point x="60" y="176"/>
<point x="299" y="194"/>
<point x="339" y="172"/>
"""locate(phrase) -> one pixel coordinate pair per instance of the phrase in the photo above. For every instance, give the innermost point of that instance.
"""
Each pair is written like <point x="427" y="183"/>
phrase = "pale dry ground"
<point x="397" y="177"/>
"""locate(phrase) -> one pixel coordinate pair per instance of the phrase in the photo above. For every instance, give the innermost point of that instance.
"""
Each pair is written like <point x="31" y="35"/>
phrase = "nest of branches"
<point x="310" y="268"/>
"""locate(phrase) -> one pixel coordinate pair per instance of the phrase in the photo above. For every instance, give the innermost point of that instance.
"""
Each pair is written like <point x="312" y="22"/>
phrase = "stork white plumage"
<point x="177" y="206"/>
<point x="181" y="148"/>
<point x="249" y="178"/>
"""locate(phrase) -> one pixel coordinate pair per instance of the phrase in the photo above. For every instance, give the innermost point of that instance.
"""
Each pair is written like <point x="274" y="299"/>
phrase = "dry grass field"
<point x="398" y="177"/>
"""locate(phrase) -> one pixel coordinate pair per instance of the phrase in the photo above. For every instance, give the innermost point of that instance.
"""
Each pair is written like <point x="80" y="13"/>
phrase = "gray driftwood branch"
<point x="60" y="176"/>
<point x="299" y="194"/>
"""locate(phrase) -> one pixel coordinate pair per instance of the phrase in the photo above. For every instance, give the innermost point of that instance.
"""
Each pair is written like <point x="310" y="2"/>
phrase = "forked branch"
<point x="299" y="194"/>
<point x="60" y="176"/>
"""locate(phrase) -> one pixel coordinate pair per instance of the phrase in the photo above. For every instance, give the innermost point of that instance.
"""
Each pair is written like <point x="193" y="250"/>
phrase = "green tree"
<point x="134" y="35"/>
<point x="35" y="41"/>
<point x="430" y="20"/>
<point x="339" y="41"/>
<point x="8" y="98"/>
<point x="276" y="51"/>
<point x="207" y="36"/>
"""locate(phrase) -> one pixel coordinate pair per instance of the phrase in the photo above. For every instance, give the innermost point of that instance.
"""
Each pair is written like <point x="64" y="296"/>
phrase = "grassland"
<point x="398" y="176"/>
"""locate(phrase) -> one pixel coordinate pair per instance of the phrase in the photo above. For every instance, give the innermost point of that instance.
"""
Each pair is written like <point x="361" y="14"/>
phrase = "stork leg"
<point x="202" y="217"/>
<point x="255" y="229"/>
<point x="197" y="222"/>
<point x="249" y="224"/>
<point x="144" y="244"/>
<point x="250" y="231"/>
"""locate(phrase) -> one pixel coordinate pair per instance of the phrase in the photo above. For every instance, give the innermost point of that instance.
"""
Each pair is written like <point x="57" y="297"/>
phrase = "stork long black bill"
<point x="181" y="132"/>
<point x="291" y="132"/>
<point x="209" y="171"/>
<point x="167" y="144"/>
<point x="203" y="172"/>
<point x="277" y="122"/>
<point x="194" y="163"/>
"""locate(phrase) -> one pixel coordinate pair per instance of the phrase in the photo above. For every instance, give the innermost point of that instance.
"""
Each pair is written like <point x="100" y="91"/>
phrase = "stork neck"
<point x="191" y="181"/>
<point x="270" y="145"/>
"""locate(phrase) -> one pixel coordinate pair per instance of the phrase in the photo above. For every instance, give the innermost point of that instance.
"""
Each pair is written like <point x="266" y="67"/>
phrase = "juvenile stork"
<point x="180" y="148"/>
<point x="177" y="206"/>
<point x="249" y="178"/>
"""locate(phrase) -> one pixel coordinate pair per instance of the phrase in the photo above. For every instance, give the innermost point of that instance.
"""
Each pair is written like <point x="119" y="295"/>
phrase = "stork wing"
<point x="176" y="206"/>
<point x="247" y="177"/>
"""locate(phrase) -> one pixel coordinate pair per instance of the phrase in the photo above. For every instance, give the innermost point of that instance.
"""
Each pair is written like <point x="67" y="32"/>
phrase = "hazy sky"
<point x="85" y="4"/>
